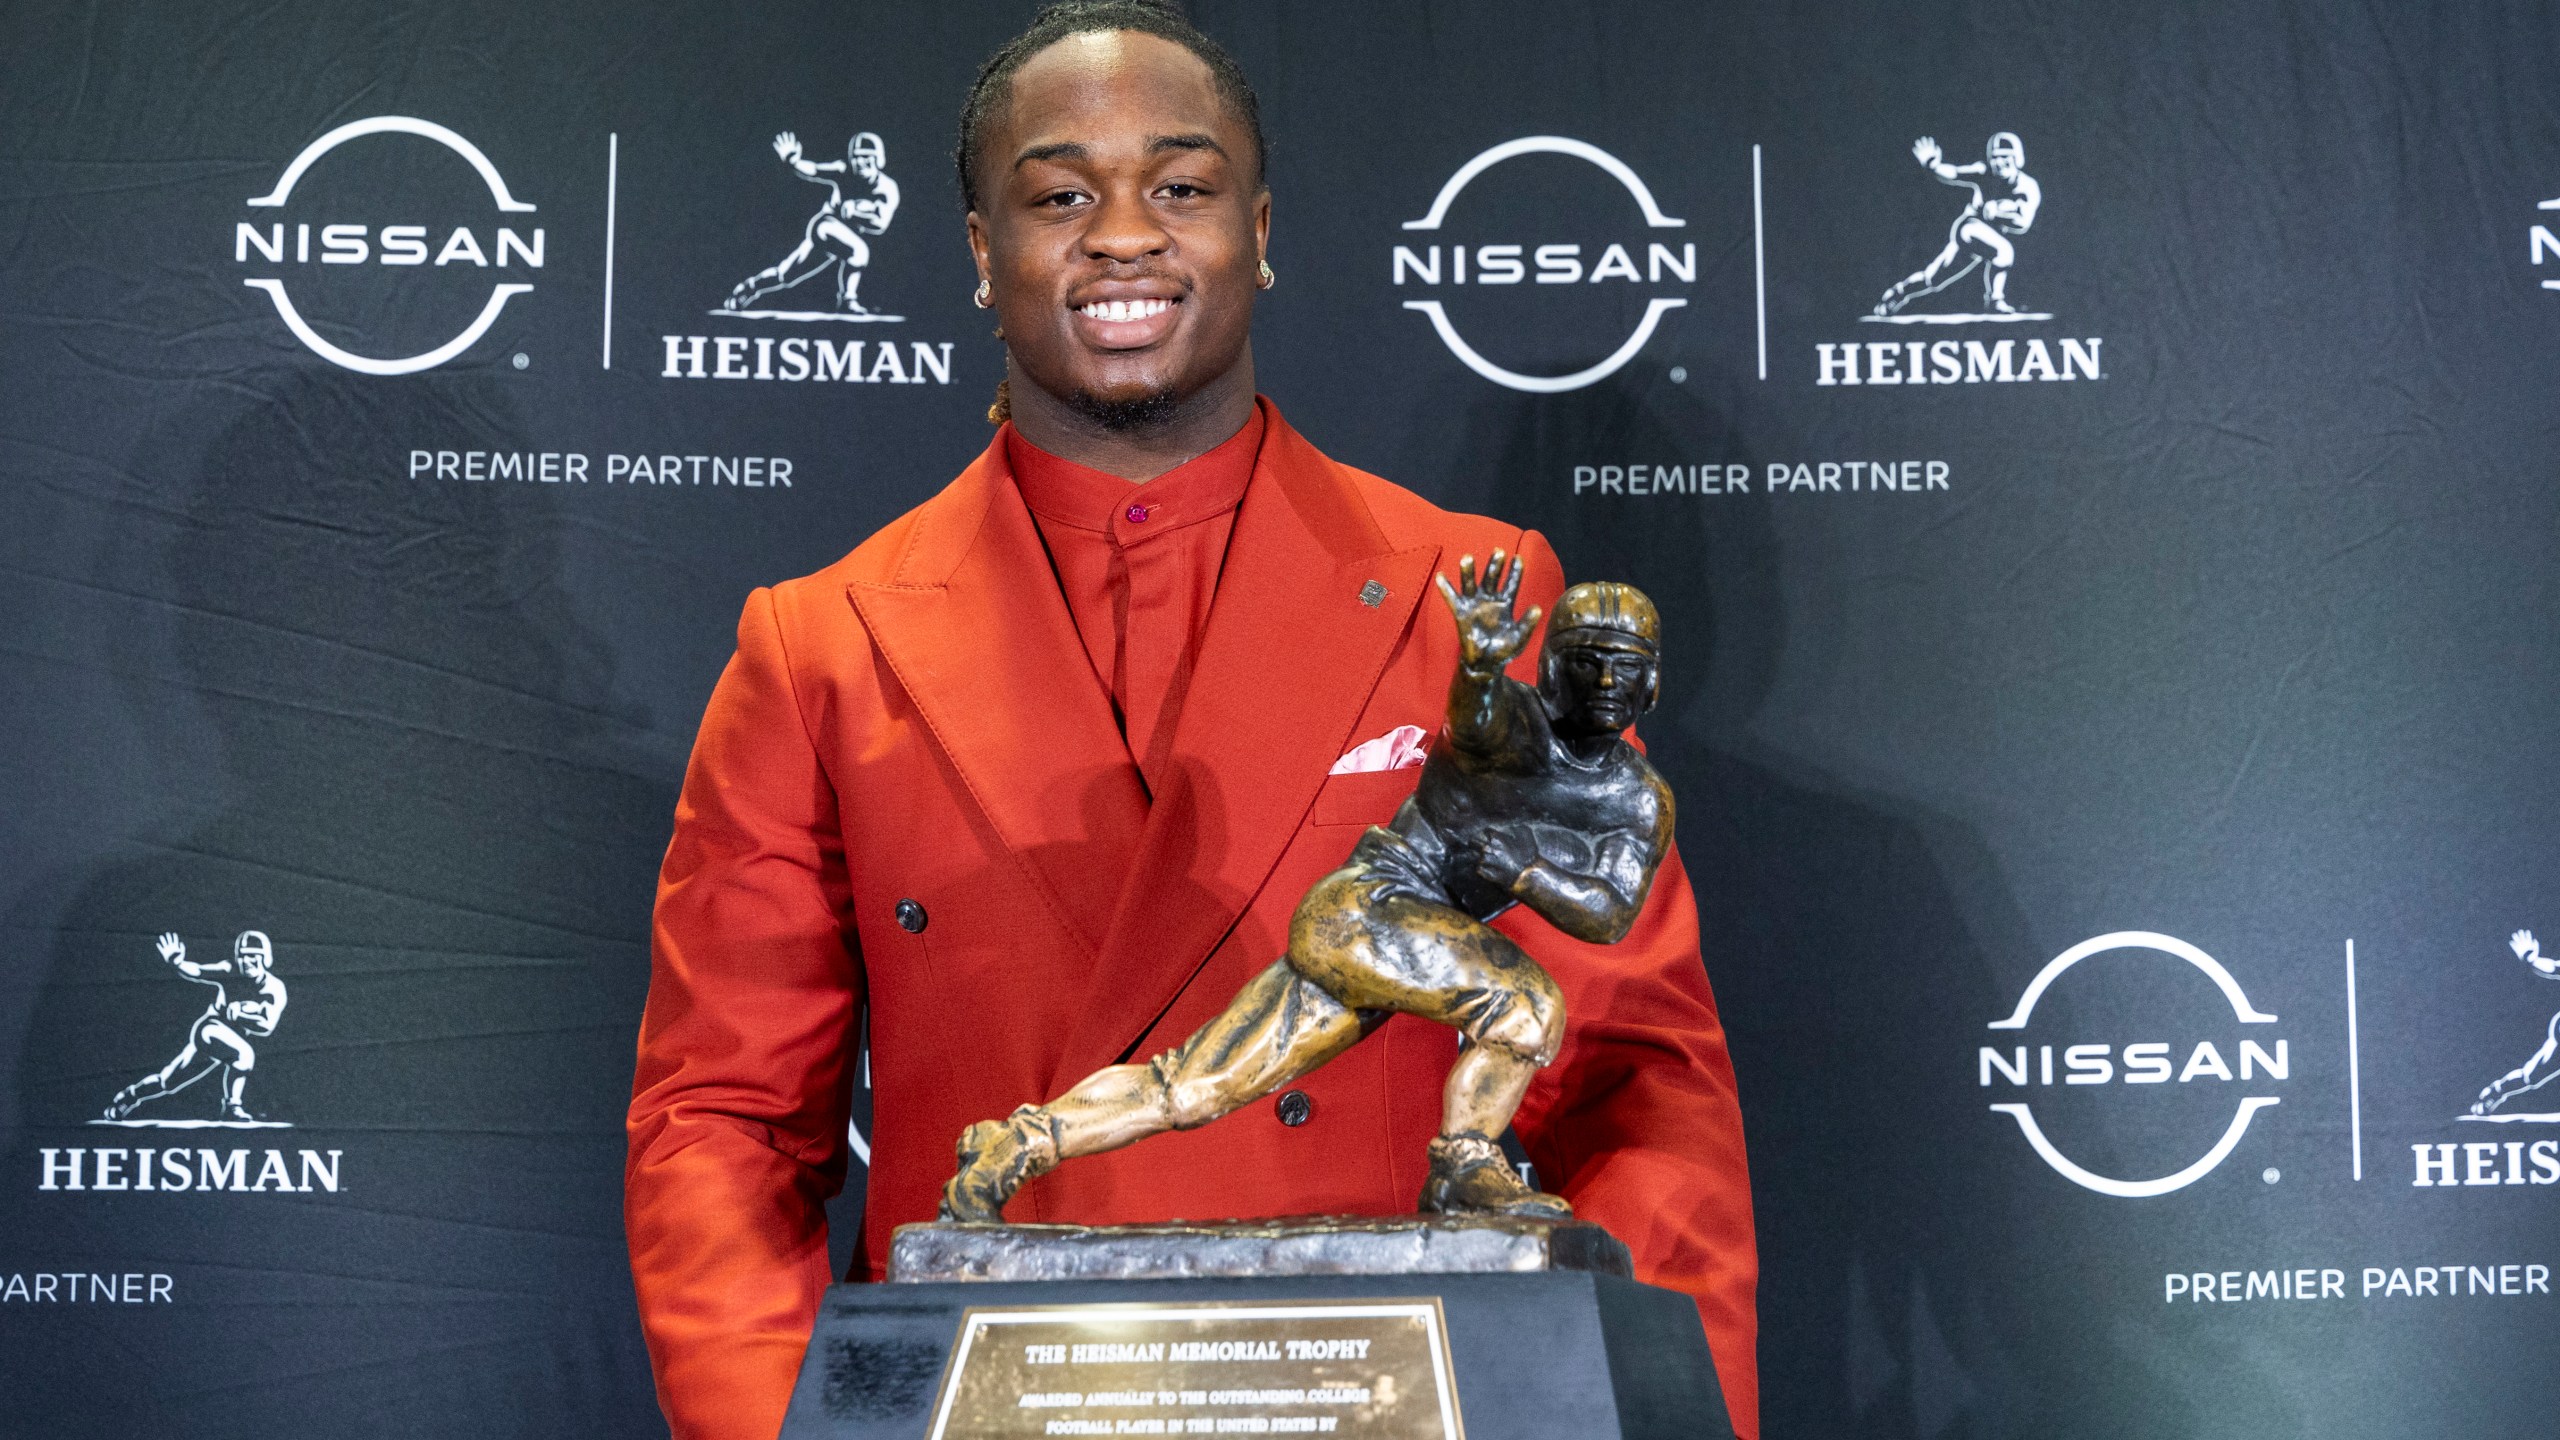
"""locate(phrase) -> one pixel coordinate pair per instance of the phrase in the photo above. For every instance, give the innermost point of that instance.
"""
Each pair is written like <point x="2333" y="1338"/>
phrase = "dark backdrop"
<point x="2208" y="608"/>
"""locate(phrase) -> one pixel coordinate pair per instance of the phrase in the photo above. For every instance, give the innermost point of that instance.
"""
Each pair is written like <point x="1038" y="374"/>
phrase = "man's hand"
<point x="1506" y="855"/>
<point x="172" y="949"/>
<point x="787" y="145"/>
<point x="1488" y="637"/>
<point x="1926" y="151"/>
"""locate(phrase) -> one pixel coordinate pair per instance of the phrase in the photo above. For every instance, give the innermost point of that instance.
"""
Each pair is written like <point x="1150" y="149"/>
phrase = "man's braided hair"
<point x="1161" y="18"/>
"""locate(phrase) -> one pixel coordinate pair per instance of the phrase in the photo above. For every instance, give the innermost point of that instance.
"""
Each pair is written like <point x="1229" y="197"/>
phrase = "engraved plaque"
<point x="1374" y="1369"/>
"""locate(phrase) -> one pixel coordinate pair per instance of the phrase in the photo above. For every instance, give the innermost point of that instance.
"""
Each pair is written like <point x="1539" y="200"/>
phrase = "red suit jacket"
<point x="918" y="722"/>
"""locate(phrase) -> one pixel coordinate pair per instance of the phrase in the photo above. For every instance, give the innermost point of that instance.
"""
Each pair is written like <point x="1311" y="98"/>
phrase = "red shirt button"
<point x="1137" y="515"/>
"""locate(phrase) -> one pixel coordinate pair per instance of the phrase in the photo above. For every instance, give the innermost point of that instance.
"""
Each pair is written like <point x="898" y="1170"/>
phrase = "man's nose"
<point x="1124" y="228"/>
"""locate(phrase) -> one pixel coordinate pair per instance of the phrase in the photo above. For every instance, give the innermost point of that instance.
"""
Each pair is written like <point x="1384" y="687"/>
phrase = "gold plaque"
<point x="1374" y="1369"/>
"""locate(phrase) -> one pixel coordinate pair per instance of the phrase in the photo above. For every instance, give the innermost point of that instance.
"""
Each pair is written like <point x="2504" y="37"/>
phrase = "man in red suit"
<point x="1038" y="773"/>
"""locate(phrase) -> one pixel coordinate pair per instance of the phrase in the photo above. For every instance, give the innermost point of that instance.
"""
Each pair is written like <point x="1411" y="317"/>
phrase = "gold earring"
<point x="1268" y="279"/>
<point x="986" y="295"/>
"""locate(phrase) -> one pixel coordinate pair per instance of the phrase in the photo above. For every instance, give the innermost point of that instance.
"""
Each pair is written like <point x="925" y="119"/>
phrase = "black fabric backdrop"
<point x="2226" y="624"/>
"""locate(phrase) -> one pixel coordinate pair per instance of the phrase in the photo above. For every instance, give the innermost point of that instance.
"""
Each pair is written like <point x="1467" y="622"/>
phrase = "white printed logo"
<point x="2539" y="1068"/>
<point x="860" y="204"/>
<point x="1556" y="263"/>
<point x="248" y="1000"/>
<point x="2542" y="244"/>
<point x="2143" y="1063"/>
<point x="2003" y="208"/>
<point x="278" y="246"/>
<point x="2001" y="205"/>
<point x="817" y="281"/>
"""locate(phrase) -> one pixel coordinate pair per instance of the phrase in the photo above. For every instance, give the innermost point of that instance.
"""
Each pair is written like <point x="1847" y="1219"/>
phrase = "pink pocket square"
<point x="1399" y="749"/>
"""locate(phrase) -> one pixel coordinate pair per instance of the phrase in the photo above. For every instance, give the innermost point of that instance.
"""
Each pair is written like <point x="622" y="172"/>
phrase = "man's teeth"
<point x="1125" y="309"/>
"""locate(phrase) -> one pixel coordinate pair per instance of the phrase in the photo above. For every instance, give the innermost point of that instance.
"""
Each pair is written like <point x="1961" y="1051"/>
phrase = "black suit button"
<point x="1295" y="1108"/>
<point x="911" y="917"/>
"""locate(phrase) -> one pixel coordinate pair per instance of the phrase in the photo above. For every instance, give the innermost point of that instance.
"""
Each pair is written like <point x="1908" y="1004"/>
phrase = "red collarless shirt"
<point x="1139" y="566"/>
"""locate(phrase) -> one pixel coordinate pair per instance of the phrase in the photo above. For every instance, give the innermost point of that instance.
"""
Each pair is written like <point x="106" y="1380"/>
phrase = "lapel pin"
<point x="1373" y="594"/>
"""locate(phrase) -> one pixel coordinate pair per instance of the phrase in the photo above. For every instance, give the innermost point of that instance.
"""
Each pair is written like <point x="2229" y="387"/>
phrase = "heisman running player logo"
<point x="2539" y="1068"/>
<point x="2150" y="1062"/>
<point x="2003" y="208"/>
<point x="220" y="1045"/>
<point x="248" y="1000"/>
<point x="861" y="201"/>
<point x="2002" y="202"/>
<point x="817" y="281"/>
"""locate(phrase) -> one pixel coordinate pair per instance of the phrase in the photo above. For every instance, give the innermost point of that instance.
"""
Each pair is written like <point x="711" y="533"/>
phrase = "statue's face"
<point x="1599" y="687"/>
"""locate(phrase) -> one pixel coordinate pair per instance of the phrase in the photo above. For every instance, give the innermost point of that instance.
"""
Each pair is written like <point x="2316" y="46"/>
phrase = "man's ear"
<point x="978" y="246"/>
<point x="1652" y="686"/>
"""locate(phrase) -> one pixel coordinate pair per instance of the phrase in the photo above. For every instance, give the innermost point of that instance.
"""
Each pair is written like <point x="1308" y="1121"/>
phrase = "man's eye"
<point x="1062" y="199"/>
<point x="1182" y="190"/>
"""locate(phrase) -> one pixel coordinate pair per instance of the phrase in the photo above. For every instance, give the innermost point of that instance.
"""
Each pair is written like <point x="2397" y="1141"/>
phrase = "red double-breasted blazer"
<point x="918" y="722"/>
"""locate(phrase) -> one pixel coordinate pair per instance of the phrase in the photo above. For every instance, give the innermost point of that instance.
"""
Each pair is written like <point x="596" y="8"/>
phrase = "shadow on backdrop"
<point x="382" y="737"/>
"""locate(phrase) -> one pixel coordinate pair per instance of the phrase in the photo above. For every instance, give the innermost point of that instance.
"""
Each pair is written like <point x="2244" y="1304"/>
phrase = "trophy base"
<point x="1417" y="1328"/>
<point x="1295" y="1245"/>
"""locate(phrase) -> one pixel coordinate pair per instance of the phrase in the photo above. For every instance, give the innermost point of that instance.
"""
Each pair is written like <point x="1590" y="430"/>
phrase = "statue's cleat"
<point x="997" y="1158"/>
<point x="238" y="1115"/>
<point x="967" y="1197"/>
<point x="1471" y="1176"/>
<point x="121" y="1106"/>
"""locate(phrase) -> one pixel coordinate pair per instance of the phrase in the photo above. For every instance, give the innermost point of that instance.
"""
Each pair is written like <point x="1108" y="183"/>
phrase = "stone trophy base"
<point x="1494" y="1329"/>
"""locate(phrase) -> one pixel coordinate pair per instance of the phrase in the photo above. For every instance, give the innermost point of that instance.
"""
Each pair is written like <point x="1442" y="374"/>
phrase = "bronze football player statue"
<point x="1530" y="796"/>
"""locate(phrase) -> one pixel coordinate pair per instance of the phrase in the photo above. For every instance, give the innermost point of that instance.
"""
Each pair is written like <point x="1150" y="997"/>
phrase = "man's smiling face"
<point x="1121" y="224"/>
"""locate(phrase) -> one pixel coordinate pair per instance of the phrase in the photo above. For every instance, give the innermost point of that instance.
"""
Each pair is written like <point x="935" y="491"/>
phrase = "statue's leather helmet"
<point x="867" y="146"/>
<point x="253" y="942"/>
<point x="2006" y="144"/>
<point x="1606" y="612"/>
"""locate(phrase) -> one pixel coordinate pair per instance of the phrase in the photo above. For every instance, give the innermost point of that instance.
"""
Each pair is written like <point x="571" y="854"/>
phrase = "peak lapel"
<point x="1290" y="657"/>
<point x="973" y="626"/>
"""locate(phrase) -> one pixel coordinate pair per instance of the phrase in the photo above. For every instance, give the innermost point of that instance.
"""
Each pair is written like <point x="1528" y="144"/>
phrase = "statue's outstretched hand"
<point x="1489" y="637"/>
<point x="172" y="949"/>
